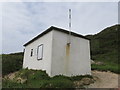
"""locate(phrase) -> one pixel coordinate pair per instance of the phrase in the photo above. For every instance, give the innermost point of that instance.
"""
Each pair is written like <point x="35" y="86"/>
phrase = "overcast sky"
<point x="21" y="21"/>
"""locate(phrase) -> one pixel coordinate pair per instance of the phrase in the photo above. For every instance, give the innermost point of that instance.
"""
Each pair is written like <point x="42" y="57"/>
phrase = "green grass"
<point x="105" y="45"/>
<point x="105" y="48"/>
<point x="39" y="79"/>
<point x="11" y="62"/>
<point x="107" y="67"/>
<point x="11" y="84"/>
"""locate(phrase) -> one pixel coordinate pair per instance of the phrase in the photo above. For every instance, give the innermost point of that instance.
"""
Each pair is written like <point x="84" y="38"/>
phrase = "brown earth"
<point x="105" y="80"/>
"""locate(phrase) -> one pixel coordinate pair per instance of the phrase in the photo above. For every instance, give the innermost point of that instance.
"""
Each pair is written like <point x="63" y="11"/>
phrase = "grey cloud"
<point x="23" y="21"/>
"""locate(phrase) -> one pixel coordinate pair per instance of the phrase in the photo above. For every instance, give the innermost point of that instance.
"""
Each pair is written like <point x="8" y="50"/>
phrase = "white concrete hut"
<point x="49" y="51"/>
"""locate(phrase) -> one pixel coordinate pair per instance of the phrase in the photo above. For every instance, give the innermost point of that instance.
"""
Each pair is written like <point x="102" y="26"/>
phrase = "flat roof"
<point x="54" y="28"/>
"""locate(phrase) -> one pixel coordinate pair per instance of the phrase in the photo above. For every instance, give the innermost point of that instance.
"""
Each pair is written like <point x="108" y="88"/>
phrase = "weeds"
<point x="39" y="79"/>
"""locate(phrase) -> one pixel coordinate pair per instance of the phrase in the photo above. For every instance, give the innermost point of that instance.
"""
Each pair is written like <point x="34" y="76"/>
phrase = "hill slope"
<point x="39" y="79"/>
<point x="104" y="45"/>
<point x="11" y="62"/>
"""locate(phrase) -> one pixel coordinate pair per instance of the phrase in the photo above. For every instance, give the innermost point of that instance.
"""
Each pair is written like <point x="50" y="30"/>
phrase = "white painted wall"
<point x="55" y="58"/>
<point x="77" y="63"/>
<point x="32" y="62"/>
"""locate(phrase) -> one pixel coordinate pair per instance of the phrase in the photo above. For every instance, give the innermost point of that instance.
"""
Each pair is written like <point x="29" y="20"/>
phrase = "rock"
<point x="83" y="82"/>
<point x="99" y="63"/>
<point x="11" y="76"/>
<point x="77" y="84"/>
<point x="92" y="62"/>
<point x="20" y="80"/>
<point x="87" y="81"/>
<point x="95" y="78"/>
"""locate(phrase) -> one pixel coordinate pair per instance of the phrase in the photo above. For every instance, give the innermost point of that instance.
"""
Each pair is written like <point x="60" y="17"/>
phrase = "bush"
<point x="79" y="77"/>
<point x="60" y="83"/>
<point x="60" y="77"/>
<point x="11" y="84"/>
<point x="11" y="63"/>
<point x="33" y="74"/>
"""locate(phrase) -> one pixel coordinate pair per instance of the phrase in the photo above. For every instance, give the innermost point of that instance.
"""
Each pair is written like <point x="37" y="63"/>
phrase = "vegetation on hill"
<point x="39" y="79"/>
<point x="104" y="48"/>
<point x="11" y="62"/>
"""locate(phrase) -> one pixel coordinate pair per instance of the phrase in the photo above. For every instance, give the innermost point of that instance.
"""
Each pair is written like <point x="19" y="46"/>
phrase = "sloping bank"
<point x="39" y="79"/>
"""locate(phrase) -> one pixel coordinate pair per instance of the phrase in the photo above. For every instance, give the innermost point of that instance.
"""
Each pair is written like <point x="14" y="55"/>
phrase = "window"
<point x="40" y="52"/>
<point x="31" y="54"/>
<point x="24" y="50"/>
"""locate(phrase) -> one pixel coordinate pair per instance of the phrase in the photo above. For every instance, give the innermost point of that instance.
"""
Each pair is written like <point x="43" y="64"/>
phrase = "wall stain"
<point x="67" y="58"/>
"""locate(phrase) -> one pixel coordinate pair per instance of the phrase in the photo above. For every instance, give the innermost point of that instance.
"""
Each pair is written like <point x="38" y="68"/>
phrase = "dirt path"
<point x="104" y="80"/>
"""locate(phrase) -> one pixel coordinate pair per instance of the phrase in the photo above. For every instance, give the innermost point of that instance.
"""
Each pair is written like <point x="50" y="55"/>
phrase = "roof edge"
<point x="54" y="28"/>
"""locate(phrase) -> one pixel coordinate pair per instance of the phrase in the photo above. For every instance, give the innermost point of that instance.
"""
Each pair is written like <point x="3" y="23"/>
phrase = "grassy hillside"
<point x="104" y="47"/>
<point x="39" y="79"/>
<point x="11" y="62"/>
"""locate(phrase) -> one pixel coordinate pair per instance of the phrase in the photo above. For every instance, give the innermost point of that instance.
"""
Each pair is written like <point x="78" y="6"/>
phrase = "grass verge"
<point x="107" y="67"/>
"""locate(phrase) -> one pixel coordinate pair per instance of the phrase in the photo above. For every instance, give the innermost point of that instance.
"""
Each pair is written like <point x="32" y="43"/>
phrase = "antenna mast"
<point x="69" y="38"/>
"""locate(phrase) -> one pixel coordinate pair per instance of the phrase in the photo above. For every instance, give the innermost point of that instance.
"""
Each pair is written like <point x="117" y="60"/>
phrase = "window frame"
<point x="41" y="45"/>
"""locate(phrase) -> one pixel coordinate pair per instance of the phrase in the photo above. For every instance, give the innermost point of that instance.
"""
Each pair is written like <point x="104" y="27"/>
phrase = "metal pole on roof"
<point x="69" y="38"/>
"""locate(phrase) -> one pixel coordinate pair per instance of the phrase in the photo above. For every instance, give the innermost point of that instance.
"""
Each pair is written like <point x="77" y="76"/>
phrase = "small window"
<point x="31" y="54"/>
<point x="40" y="52"/>
<point x="24" y="50"/>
